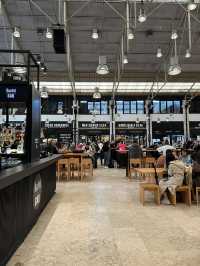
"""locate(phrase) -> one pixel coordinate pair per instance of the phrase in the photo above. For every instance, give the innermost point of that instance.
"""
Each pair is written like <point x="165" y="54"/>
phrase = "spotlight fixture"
<point x="137" y="120"/>
<point x="95" y="34"/>
<point x="44" y="93"/>
<point x="159" y="53"/>
<point x="187" y="54"/>
<point x="174" y="67"/>
<point x="42" y="66"/>
<point x="158" y="120"/>
<point x="130" y="34"/>
<point x="174" y="35"/>
<point x="49" y="34"/>
<point x="191" y="5"/>
<point x="96" y="94"/>
<point x="102" y="68"/>
<point x="125" y="59"/>
<point x="38" y="59"/>
<point x="45" y="70"/>
<point x="142" y="16"/>
<point x="16" y="32"/>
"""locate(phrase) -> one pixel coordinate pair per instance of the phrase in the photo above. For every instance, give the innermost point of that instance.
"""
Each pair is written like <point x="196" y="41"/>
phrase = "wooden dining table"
<point x="80" y="155"/>
<point x="149" y="173"/>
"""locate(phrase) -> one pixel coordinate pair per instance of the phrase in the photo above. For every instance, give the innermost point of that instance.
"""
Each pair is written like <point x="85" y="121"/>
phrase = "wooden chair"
<point x="197" y="195"/>
<point x="149" y="162"/>
<point x="74" y="168"/>
<point x="149" y="187"/>
<point x="86" y="167"/>
<point x="184" y="189"/>
<point x="62" y="169"/>
<point x="134" y="163"/>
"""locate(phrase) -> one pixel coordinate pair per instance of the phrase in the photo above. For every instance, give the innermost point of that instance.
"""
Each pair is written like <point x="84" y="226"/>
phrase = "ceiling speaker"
<point x="59" y="43"/>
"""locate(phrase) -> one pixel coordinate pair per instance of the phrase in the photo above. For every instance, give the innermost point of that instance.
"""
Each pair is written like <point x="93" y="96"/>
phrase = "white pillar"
<point x="112" y="120"/>
<point x="148" y="123"/>
<point x="186" y="121"/>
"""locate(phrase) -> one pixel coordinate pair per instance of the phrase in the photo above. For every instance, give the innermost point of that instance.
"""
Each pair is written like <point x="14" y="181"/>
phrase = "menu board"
<point x="14" y="93"/>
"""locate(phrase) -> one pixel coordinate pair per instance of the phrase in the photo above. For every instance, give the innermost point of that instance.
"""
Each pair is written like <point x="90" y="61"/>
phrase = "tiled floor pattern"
<point x="102" y="223"/>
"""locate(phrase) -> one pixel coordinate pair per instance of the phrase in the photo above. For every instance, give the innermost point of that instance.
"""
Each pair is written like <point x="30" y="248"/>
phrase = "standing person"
<point x="100" y="151"/>
<point x="135" y="151"/>
<point x="106" y="151"/>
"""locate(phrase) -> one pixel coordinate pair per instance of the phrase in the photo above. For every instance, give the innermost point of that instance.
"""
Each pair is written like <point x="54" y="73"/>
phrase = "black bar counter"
<point x="24" y="192"/>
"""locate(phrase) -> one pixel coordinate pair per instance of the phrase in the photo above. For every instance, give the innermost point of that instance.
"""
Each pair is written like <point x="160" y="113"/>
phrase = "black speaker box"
<point x="59" y="41"/>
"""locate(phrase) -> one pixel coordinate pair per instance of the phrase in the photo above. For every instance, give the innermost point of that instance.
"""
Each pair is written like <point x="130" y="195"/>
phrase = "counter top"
<point x="15" y="174"/>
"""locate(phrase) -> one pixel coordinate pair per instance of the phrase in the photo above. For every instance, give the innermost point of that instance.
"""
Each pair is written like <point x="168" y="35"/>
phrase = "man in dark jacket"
<point x="135" y="151"/>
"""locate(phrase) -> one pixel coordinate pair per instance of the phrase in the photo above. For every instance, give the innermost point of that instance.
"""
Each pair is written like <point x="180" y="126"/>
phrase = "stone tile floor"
<point x="101" y="223"/>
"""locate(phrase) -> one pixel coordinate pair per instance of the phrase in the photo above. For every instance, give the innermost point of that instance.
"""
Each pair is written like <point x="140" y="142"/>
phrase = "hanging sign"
<point x="130" y="125"/>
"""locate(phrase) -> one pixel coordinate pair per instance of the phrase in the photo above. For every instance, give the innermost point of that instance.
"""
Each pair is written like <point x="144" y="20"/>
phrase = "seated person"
<point x="175" y="179"/>
<point x="196" y="168"/>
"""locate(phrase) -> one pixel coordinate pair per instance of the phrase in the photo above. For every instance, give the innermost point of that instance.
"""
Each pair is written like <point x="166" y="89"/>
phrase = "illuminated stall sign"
<point x="56" y="125"/>
<point x="96" y="125"/>
<point x="130" y="125"/>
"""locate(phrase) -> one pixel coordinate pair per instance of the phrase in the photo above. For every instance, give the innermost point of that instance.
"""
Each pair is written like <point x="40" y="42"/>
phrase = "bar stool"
<point x="74" y="168"/>
<point x="86" y="167"/>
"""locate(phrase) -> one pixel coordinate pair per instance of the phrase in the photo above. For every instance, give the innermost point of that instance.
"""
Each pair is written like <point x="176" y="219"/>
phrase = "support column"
<point x="75" y="125"/>
<point x="186" y="121"/>
<point x="112" y="120"/>
<point x="148" y="123"/>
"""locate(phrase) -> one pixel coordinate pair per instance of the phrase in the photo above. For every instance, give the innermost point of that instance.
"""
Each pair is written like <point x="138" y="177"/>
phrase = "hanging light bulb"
<point x="191" y="5"/>
<point x="137" y="120"/>
<point x="95" y="34"/>
<point x="102" y="68"/>
<point x="187" y="54"/>
<point x="158" y="120"/>
<point x="142" y="16"/>
<point x="16" y="32"/>
<point x="96" y="94"/>
<point x="130" y="34"/>
<point x="45" y="70"/>
<point x="159" y="53"/>
<point x="174" y="35"/>
<point x="49" y="34"/>
<point x="125" y="60"/>
<point x="174" y="67"/>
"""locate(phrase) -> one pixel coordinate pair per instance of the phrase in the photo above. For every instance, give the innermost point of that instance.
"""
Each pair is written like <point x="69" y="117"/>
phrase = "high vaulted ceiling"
<point x="34" y="16"/>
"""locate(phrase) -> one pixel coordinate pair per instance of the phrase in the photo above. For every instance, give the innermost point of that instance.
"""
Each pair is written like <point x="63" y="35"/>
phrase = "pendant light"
<point x="159" y="53"/>
<point x="19" y="60"/>
<point x="174" y="35"/>
<point x="95" y="34"/>
<point x="96" y="94"/>
<point x="130" y="34"/>
<point x="191" y="5"/>
<point x="142" y="16"/>
<point x="158" y="120"/>
<point x="125" y="60"/>
<point x="174" y="67"/>
<point x="102" y="68"/>
<point x="16" y="32"/>
<point x="49" y="34"/>
<point x="187" y="54"/>
<point x="38" y="59"/>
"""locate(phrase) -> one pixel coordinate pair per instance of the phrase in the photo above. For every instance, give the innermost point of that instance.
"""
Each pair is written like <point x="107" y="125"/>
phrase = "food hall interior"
<point x="99" y="132"/>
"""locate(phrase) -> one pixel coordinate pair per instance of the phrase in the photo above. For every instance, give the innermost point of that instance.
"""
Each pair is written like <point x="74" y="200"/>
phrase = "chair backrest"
<point x="188" y="176"/>
<point x="136" y="162"/>
<point x="149" y="160"/>
<point x="63" y="162"/>
<point x="73" y="161"/>
<point x="86" y="161"/>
